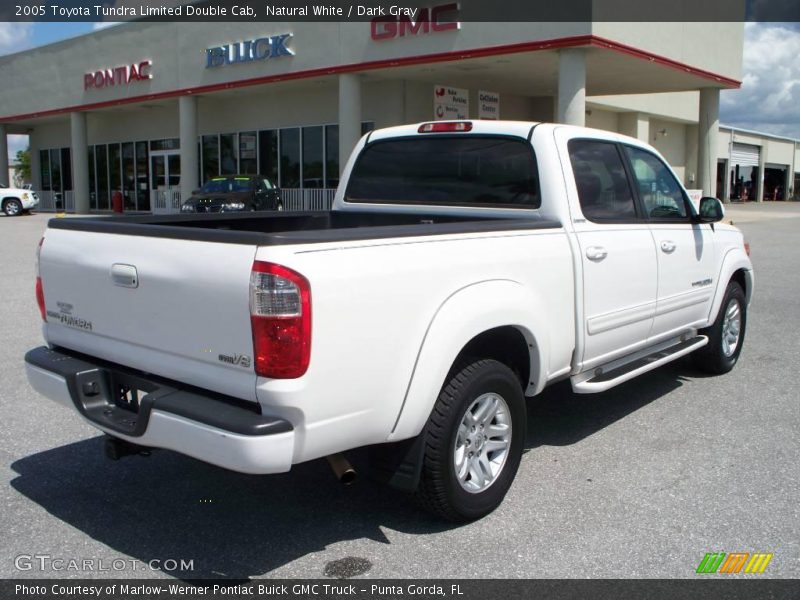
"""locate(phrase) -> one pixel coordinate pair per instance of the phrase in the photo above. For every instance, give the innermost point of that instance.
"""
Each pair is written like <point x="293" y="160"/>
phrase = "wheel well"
<point x="740" y="278"/>
<point x="3" y="203"/>
<point x="503" y="344"/>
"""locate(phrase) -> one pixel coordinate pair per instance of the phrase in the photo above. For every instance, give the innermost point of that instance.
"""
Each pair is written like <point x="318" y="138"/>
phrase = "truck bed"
<point x="279" y="228"/>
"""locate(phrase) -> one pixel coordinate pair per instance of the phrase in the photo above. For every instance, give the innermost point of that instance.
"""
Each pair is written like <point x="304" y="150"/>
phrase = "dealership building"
<point x="144" y="112"/>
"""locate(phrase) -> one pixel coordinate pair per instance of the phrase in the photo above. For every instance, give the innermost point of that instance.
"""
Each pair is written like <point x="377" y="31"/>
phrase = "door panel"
<point x="685" y="250"/>
<point x="616" y="251"/>
<point x="686" y="266"/>
<point x="619" y="290"/>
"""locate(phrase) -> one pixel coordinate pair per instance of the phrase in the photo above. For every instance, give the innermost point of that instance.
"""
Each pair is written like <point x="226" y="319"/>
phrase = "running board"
<point x="604" y="380"/>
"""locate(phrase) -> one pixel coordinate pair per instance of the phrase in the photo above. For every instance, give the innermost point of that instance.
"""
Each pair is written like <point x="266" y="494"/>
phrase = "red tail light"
<point x="280" y="315"/>
<point x="445" y="126"/>
<point x="39" y="288"/>
<point x="40" y="298"/>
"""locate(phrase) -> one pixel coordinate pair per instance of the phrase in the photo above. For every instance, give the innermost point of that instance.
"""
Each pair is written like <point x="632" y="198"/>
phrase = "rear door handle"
<point x="597" y="253"/>
<point x="668" y="246"/>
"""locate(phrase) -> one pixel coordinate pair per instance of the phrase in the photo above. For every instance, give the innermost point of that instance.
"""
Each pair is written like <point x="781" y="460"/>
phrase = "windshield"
<point x="447" y="170"/>
<point x="221" y="185"/>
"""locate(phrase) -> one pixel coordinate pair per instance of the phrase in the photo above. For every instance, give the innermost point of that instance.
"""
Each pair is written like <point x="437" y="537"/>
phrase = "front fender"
<point x="464" y="315"/>
<point x="734" y="260"/>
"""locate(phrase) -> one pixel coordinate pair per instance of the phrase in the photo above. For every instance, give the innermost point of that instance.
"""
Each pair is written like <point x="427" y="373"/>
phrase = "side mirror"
<point x="711" y="211"/>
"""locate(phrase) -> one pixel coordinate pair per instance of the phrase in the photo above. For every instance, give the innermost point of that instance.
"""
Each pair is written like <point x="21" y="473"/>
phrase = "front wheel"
<point x="473" y="442"/>
<point x="12" y="207"/>
<point x="726" y="335"/>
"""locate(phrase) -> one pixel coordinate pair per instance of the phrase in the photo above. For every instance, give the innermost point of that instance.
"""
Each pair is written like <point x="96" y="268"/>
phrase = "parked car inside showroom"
<point x="232" y="193"/>
<point x="15" y="201"/>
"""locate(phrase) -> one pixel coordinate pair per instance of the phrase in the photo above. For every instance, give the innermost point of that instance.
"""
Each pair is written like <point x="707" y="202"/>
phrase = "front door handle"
<point x="597" y="253"/>
<point x="668" y="246"/>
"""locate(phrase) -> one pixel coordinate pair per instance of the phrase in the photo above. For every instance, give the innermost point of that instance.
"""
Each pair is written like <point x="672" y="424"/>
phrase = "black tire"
<point x="12" y="207"/>
<point x="439" y="490"/>
<point x="713" y="357"/>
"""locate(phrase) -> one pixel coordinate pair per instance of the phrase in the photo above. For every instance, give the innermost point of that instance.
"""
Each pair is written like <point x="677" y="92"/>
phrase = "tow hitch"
<point x="116" y="448"/>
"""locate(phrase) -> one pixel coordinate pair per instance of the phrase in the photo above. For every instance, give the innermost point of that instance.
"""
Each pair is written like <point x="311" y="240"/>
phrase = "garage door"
<point x="745" y="155"/>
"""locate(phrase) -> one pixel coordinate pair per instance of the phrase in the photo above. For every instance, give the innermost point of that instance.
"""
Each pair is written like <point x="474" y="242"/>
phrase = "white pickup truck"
<point x="464" y="267"/>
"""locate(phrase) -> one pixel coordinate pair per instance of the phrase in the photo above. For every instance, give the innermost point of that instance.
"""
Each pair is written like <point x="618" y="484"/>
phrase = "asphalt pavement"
<point x="640" y="481"/>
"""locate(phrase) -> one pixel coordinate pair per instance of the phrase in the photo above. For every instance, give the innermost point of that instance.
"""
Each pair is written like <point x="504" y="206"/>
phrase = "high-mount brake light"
<point x="39" y="288"/>
<point x="445" y="126"/>
<point x="280" y="316"/>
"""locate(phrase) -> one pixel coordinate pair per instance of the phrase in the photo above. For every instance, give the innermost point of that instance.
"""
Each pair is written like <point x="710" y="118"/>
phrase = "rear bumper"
<point x="147" y="412"/>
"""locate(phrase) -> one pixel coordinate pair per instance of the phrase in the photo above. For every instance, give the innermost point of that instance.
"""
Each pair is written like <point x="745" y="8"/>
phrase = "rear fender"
<point x="466" y="314"/>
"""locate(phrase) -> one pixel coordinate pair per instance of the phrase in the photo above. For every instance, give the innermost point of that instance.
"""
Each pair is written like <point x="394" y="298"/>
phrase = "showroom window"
<point x="290" y="158"/>
<point x="268" y="154"/>
<point x="44" y="170"/>
<point x="101" y="169"/>
<point x="92" y="180"/>
<point x="228" y="155"/>
<point x="142" y="177"/>
<point x="331" y="156"/>
<point x="313" y="175"/>
<point x="210" y="158"/>
<point x="248" y="153"/>
<point x="128" y="176"/>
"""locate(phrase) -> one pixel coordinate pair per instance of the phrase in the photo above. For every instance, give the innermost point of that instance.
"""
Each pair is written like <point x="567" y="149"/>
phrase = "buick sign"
<point x="248" y="51"/>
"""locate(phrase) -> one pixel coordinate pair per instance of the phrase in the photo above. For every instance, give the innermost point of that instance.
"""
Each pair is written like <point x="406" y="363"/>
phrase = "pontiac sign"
<point x="118" y="76"/>
<point x="248" y="51"/>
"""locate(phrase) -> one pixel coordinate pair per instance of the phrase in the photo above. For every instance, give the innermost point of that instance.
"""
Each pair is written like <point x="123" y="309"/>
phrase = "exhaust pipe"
<point x="343" y="470"/>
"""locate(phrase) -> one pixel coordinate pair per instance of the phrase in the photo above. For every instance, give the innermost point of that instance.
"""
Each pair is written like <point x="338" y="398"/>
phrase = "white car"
<point x="464" y="267"/>
<point x="15" y="201"/>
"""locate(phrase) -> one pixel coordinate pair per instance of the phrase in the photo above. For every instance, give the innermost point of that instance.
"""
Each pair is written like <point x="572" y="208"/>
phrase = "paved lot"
<point x="640" y="481"/>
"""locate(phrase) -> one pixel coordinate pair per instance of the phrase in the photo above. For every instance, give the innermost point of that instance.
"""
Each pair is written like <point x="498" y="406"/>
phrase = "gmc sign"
<point x="430" y="20"/>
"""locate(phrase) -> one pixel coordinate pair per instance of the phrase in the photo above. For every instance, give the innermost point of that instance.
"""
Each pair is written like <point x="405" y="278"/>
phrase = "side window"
<point x="603" y="189"/>
<point x="661" y="195"/>
<point x="266" y="185"/>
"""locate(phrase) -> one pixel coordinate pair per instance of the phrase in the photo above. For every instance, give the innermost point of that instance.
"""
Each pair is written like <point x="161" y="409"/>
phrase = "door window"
<point x="661" y="195"/>
<point x="603" y="189"/>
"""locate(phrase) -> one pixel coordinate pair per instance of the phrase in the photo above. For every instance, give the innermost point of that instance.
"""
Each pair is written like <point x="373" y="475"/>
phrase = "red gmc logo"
<point x="430" y="20"/>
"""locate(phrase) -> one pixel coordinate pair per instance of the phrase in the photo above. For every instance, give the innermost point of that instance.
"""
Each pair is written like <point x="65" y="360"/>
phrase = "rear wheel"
<point x="473" y="442"/>
<point x="12" y="207"/>
<point x="726" y="335"/>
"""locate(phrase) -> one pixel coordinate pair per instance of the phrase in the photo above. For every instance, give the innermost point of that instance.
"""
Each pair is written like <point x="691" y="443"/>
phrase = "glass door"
<point x="165" y="179"/>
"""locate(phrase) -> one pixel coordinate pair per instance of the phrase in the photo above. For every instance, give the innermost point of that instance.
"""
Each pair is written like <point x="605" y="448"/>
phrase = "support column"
<point x="635" y="125"/>
<point x="349" y="116"/>
<point x="4" y="179"/>
<point x="187" y="119"/>
<point x="571" y="103"/>
<point x="80" y="162"/>
<point x="762" y="165"/>
<point x="707" y="140"/>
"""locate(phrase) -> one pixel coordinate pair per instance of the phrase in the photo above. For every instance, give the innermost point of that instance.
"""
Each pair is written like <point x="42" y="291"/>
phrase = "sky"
<point x="769" y="99"/>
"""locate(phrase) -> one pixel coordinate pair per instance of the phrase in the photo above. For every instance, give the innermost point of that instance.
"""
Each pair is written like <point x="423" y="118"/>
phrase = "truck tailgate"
<point x="171" y="307"/>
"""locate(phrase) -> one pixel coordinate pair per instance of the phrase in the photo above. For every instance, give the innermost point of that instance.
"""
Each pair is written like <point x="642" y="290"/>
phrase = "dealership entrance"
<point x="165" y="179"/>
<point x="775" y="182"/>
<point x="745" y="159"/>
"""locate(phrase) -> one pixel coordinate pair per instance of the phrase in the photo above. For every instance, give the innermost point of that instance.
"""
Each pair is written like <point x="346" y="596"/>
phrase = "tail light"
<point x="445" y="126"/>
<point x="280" y="315"/>
<point x="39" y="288"/>
<point x="747" y="248"/>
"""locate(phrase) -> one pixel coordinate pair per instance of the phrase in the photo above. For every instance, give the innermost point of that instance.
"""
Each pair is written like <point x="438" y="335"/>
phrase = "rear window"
<point x="444" y="170"/>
